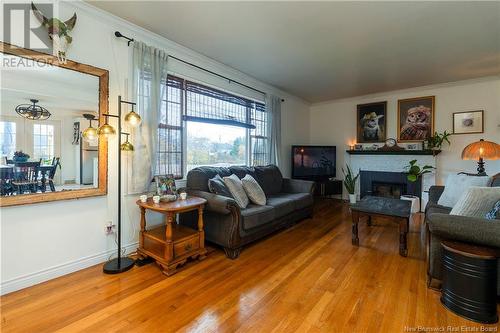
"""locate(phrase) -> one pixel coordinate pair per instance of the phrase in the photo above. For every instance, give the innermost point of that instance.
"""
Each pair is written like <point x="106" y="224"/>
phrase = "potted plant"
<point x="19" y="156"/>
<point x="350" y="183"/>
<point x="415" y="171"/>
<point x="435" y="142"/>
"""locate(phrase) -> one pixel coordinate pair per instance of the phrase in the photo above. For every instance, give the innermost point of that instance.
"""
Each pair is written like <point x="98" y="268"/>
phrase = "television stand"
<point x="327" y="187"/>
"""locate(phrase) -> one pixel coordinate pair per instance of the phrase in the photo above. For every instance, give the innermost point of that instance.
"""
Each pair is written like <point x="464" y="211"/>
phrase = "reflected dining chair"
<point x="25" y="177"/>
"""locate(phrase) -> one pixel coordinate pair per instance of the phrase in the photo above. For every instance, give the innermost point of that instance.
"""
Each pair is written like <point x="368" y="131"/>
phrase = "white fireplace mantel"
<point x="393" y="163"/>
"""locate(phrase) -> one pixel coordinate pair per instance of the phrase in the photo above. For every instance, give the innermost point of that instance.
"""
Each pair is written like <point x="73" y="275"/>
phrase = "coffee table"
<point x="396" y="210"/>
<point x="172" y="244"/>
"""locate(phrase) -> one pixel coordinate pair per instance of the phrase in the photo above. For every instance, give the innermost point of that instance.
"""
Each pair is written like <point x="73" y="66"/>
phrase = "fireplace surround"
<point x="388" y="184"/>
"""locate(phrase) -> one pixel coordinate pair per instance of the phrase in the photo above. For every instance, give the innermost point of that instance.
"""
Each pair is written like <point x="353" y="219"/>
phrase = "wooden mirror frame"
<point x="103" y="76"/>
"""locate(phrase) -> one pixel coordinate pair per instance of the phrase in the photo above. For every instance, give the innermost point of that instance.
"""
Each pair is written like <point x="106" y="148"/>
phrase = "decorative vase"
<point x="352" y="198"/>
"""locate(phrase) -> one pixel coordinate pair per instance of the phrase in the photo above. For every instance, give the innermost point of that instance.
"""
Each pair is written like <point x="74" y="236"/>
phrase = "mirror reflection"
<point x="44" y="110"/>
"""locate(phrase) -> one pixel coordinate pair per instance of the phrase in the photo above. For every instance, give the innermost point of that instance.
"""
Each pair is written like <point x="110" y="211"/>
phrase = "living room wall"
<point x="43" y="241"/>
<point x="334" y="122"/>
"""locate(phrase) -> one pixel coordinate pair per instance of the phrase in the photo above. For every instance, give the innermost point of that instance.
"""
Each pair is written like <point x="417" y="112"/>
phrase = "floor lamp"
<point x="119" y="264"/>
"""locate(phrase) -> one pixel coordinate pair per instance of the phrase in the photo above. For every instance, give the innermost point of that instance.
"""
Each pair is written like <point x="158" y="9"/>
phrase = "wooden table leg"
<point x="403" y="233"/>
<point x="143" y="227"/>
<point x="201" y="233"/>
<point x="355" y="220"/>
<point x="369" y="221"/>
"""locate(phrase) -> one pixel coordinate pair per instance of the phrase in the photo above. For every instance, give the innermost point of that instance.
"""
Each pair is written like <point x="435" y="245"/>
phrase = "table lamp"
<point x="481" y="150"/>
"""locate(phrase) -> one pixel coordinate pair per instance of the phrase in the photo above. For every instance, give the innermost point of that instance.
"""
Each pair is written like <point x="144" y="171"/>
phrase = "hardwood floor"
<point x="308" y="278"/>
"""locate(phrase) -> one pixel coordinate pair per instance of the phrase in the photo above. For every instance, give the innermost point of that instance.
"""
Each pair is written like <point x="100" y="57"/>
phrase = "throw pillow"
<point x="217" y="186"/>
<point x="458" y="184"/>
<point x="253" y="190"/>
<point x="235" y="186"/>
<point x="476" y="201"/>
<point x="494" y="213"/>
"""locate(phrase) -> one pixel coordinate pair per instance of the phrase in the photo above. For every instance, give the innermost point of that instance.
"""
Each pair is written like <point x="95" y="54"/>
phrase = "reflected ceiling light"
<point x="90" y="133"/>
<point x="33" y="111"/>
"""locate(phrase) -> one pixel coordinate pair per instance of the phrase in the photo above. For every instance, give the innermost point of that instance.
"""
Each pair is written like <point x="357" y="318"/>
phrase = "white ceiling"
<point x="328" y="50"/>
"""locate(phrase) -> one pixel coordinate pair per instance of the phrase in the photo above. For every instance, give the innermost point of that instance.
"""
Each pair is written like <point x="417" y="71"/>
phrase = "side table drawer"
<point x="186" y="246"/>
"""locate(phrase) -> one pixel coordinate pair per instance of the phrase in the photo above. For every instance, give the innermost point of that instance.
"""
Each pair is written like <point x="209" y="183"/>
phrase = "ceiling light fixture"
<point x="33" y="111"/>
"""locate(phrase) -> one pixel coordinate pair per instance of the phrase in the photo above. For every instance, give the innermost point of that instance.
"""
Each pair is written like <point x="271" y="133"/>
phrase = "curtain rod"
<point x="130" y="40"/>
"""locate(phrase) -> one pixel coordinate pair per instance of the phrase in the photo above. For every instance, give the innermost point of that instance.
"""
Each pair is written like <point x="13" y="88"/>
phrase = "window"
<point x="43" y="141"/>
<point x="7" y="139"/>
<point x="215" y="127"/>
<point x="212" y="144"/>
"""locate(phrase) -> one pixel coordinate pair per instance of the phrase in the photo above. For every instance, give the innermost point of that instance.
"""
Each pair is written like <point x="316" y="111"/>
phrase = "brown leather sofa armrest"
<point x="216" y="203"/>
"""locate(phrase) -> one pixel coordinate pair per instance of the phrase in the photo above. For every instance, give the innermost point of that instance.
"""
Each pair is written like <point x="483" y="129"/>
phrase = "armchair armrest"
<point x="466" y="229"/>
<point x="297" y="186"/>
<point x="435" y="193"/>
<point x="216" y="203"/>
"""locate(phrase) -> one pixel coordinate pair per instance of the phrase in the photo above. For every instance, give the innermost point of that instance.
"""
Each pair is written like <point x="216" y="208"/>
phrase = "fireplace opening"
<point x="388" y="189"/>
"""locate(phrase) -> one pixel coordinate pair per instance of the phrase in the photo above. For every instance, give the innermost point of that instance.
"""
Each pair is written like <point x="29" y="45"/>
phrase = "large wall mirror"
<point x="45" y="107"/>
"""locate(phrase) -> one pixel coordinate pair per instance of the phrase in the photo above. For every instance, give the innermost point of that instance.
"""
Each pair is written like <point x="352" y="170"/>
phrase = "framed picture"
<point x="165" y="185"/>
<point x="415" y="119"/>
<point x="358" y="147"/>
<point x="371" y="122"/>
<point x="468" y="122"/>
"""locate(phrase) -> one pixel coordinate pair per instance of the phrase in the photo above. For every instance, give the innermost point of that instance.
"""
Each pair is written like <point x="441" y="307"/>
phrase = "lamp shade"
<point x="106" y="130"/>
<point x="133" y="119"/>
<point x="481" y="149"/>
<point x="127" y="146"/>
<point x="90" y="133"/>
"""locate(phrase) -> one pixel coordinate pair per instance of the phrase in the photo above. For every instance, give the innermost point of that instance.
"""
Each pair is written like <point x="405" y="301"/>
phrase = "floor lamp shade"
<point x="481" y="150"/>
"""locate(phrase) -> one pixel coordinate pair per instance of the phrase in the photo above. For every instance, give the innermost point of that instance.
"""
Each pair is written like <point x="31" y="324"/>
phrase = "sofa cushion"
<point x="255" y="216"/>
<point x="197" y="178"/>
<point x="282" y="205"/>
<point x="300" y="200"/>
<point x="253" y="190"/>
<point x="241" y="171"/>
<point x="495" y="181"/>
<point x="269" y="178"/>
<point x="235" y="186"/>
<point x="476" y="201"/>
<point x="494" y="213"/>
<point x="217" y="186"/>
<point x="456" y="185"/>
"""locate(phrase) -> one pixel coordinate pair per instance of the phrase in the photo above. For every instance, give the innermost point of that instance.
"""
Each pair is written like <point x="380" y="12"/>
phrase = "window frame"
<point x="252" y="105"/>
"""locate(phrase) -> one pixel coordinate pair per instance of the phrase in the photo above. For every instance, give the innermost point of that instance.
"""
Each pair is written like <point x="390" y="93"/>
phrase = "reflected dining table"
<point x="8" y="172"/>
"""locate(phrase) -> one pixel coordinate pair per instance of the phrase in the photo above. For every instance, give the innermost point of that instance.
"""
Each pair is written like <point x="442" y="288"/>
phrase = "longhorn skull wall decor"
<point x="58" y="31"/>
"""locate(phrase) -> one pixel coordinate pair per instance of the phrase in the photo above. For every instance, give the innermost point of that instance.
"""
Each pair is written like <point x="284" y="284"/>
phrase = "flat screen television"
<point x="314" y="162"/>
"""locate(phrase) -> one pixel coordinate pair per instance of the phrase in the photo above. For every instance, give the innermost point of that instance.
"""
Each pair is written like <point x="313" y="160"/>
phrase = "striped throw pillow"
<point x="233" y="183"/>
<point x="476" y="201"/>
<point x="253" y="190"/>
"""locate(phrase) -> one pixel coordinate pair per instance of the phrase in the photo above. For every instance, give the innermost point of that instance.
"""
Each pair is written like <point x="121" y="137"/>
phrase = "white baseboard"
<point x="59" y="270"/>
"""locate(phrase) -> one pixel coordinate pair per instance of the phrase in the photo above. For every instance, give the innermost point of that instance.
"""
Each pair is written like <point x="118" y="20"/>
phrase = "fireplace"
<point x="388" y="184"/>
<point x="388" y="189"/>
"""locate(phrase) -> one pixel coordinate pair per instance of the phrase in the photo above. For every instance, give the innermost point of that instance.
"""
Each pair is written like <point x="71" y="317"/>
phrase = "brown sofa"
<point x="288" y="201"/>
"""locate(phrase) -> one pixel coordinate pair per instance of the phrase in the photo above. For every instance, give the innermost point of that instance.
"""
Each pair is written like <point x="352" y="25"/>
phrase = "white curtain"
<point x="273" y="106"/>
<point x="149" y="89"/>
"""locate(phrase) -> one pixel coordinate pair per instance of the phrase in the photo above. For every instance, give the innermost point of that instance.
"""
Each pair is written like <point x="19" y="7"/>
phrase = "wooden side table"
<point x="172" y="244"/>
<point x="470" y="281"/>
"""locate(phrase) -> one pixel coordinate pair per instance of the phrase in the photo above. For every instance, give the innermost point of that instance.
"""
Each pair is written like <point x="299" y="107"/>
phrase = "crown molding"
<point x="383" y="94"/>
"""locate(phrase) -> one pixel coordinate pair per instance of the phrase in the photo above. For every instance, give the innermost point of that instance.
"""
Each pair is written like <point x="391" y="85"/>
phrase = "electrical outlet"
<point x="109" y="228"/>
